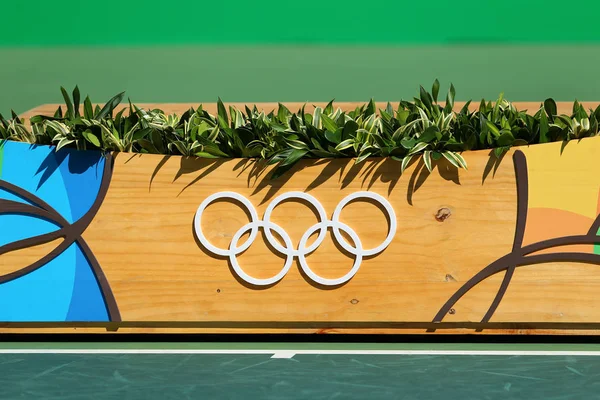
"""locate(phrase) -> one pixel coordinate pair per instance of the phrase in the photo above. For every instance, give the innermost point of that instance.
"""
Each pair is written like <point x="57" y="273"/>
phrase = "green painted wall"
<point x="252" y="51"/>
<point x="118" y="22"/>
<point x="33" y="76"/>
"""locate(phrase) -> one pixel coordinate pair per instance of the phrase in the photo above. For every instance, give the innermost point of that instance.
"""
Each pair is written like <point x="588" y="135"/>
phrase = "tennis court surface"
<point x="298" y="371"/>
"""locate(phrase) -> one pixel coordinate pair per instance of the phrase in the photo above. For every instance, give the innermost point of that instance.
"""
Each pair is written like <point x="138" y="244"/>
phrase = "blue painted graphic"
<point x="48" y="196"/>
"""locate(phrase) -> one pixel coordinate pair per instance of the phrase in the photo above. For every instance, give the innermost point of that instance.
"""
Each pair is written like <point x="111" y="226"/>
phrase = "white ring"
<point x="294" y="195"/>
<point x="289" y="251"/>
<point x="234" y="251"/>
<point x="369" y="195"/>
<point x="326" y="281"/>
<point x="224" y="195"/>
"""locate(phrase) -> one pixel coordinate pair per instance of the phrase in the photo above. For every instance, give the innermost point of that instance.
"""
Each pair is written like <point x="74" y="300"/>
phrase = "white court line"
<point x="291" y="352"/>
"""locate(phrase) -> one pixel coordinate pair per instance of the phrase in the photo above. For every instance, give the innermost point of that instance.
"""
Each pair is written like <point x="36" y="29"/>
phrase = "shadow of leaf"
<point x="447" y="171"/>
<point x="78" y="162"/>
<point x="257" y="169"/>
<point x="189" y="165"/>
<point x="332" y="166"/>
<point x="243" y="165"/>
<point x="160" y="164"/>
<point x="416" y="180"/>
<point x="371" y="168"/>
<point x="388" y="172"/>
<point x="492" y="164"/>
<point x="275" y="185"/>
<point x="352" y="174"/>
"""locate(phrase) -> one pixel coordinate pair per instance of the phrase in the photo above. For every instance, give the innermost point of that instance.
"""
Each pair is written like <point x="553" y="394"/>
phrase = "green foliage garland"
<point x="418" y="128"/>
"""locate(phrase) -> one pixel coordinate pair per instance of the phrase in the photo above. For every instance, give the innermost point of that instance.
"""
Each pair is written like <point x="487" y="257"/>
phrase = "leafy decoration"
<point x="417" y="128"/>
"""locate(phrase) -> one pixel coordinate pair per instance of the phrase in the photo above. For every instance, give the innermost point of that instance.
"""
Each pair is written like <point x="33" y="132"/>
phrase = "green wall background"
<point x="191" y="51"/>
<point x="151" y="22"/>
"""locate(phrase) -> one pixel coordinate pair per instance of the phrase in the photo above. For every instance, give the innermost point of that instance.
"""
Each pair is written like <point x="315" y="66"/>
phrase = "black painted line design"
<point x="520" y="255"/>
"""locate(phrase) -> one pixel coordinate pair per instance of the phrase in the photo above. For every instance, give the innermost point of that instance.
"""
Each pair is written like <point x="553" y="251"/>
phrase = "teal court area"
<point x="298" y="371"/>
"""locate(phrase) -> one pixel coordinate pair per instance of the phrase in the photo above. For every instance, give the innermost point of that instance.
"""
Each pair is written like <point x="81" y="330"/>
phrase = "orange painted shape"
<point x="549" y="223"/>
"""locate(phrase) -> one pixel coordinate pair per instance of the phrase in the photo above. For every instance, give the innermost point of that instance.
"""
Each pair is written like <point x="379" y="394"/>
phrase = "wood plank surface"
<point x="165" y="281"/>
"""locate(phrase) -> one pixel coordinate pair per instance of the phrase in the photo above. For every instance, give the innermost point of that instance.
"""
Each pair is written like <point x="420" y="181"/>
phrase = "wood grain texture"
<point x="164" y="281"/>
<point x="15" y="260"/>
<point x="151" y="241"/>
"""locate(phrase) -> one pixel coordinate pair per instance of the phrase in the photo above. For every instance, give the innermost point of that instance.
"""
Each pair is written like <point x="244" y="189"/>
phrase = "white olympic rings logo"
<point x="288" y="250"/>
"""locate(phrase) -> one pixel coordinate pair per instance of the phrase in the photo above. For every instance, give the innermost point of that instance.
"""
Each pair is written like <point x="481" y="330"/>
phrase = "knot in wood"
<point x="443" y="214"/>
